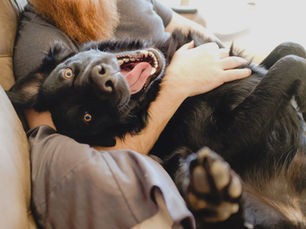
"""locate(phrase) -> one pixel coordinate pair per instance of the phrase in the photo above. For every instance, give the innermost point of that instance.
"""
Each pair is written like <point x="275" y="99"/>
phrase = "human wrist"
<point x="173" y="88"/>
<point x="160" y="112"/>
<point x="35" y="119"/>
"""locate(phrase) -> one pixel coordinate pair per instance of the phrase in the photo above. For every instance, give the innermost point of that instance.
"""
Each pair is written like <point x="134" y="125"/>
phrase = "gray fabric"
<point x="164" y="12"/>
<point x="142" y="19"/>
<point x="75" y="186"/>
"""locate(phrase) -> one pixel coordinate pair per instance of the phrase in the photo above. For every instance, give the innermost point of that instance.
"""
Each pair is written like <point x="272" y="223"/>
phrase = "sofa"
<point x="15" y="180"/>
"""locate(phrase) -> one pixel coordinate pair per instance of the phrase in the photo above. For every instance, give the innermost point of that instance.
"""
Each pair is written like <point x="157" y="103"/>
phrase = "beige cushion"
<point x="15" y="178"/>
<point x="8" y="24"/>
<point x="14" y="170"/>
<point x="6" y="73"/>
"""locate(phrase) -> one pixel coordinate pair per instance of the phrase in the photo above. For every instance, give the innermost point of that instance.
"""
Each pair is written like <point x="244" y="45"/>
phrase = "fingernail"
<point x="226" y="50"/>
<point x="191" y="44"/>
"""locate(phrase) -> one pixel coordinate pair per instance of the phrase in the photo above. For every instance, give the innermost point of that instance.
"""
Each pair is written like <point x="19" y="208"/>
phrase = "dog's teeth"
<point x="132" y="59"/>
<point x="151" y="55"/>
<point x="155" y="63"/>
<point x="153" y="71"/>
<point x="126" y="60"/>
<point x="145" y="53"/>
<point x="120" y="62"/>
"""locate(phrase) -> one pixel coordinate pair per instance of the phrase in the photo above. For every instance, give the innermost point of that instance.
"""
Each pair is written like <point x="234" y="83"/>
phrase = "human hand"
<point x="194" y="71"/>
<point x="185" y="25"/>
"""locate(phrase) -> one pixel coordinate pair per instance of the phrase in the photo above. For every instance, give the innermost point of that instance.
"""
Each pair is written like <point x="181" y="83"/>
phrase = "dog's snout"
<point x="104" y="78"/>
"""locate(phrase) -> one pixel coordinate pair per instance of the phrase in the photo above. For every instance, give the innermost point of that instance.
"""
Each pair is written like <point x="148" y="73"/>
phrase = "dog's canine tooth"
<point x="153" y="71"/>
<point x="145" y="53"/>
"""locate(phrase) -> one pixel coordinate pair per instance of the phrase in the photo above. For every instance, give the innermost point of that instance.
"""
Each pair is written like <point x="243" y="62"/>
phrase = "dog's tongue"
<point x="138" y="76"/>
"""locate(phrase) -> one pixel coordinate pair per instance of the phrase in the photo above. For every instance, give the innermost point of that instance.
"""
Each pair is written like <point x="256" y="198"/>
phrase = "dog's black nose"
<point x="104" y="78"/>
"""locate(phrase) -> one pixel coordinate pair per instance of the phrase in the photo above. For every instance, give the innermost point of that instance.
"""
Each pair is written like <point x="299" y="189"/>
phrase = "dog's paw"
<point x="214" y="190"/>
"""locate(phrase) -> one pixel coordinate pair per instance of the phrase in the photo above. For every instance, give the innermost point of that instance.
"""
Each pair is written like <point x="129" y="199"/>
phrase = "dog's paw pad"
<point x="200" y="180"/>
<point x="235" y="188"/>
<point x="195" y="201"/>
<point x="220" y="172"/>
<point x="214" y="189"/>
<point x="222" y="212"/>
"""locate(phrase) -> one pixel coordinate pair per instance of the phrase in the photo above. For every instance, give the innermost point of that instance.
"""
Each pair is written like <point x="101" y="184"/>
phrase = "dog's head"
<point x="102" y="91"/>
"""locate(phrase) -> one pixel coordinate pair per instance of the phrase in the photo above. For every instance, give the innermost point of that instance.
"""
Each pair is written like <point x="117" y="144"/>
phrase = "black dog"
<point x="251" y="123"/>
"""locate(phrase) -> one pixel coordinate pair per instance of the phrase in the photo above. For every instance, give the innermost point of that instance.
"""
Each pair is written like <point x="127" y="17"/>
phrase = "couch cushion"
<point x="14" y="170"/>
<point x="6" y="74"/>
<point x="8" y="23"/>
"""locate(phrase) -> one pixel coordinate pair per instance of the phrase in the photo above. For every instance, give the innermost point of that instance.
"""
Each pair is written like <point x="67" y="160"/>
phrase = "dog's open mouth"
<point x="140" y="67"/>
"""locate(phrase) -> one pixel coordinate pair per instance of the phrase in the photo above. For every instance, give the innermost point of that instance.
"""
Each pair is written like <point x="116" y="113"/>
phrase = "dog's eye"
<point x="68" y="73"/>
<point x="87" y="117"/>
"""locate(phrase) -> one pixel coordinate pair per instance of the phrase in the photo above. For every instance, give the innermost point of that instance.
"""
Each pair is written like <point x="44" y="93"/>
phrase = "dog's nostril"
<point x="109" y="83"/>
<point x="102" y="70"/>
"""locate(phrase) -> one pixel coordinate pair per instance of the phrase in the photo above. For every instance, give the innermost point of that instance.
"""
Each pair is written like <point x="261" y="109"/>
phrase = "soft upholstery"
<point x="8" y="24"/>
<point x="14" y="170"/>
<point x="15" y="181"/>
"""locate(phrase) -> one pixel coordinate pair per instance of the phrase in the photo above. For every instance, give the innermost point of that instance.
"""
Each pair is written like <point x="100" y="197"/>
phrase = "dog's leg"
<point x="282" y="50"/>
<point x="211" y="189"/>
<point x="285" y="79"/>
<point x="258" y="113"/>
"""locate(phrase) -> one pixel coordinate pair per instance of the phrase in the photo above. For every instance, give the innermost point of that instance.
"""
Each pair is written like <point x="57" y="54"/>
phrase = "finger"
<point x="210" y="46"/>
<point x="232" y="62"/>
<point x="224" y="52"/>
<point x="234" y="74"/>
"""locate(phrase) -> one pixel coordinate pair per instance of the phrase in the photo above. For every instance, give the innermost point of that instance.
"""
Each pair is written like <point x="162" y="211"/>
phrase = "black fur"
<point x="251" y="123"/>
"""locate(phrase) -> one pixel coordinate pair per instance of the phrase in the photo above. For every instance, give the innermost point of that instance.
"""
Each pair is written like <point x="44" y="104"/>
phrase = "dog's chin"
<point x="124" y="103"/>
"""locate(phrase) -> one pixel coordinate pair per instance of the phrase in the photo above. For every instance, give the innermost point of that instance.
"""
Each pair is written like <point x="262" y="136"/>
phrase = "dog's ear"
<point x="41" y="104"/>
<point x="56" y="54"/>
<point x="24" y="91"/>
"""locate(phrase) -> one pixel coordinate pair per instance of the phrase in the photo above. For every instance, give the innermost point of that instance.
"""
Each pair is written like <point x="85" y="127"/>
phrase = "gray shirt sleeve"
<point x="75" y="186"/>
<point x="163" y="11"/>
<point x="143" y="19"/>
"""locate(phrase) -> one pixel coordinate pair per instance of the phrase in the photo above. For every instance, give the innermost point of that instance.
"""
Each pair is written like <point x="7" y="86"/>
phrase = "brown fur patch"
<point x="82" y="21"/>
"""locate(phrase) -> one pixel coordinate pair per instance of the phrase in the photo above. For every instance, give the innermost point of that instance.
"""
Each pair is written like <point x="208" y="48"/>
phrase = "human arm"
<point x="174" y="21"/>
<point x="106" y="189"/>
<point x="192" y="71"/>
<point x="185" y="25"/>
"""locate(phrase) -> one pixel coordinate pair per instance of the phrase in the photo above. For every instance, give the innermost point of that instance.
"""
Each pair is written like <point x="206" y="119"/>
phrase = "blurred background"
<point x="257" y="26"/>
